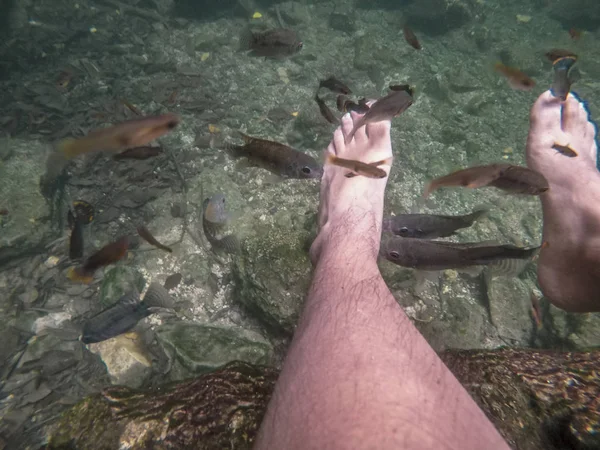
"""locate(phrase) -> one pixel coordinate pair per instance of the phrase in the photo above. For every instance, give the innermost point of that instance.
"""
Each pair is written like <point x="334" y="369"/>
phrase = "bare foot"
<point x="352" y="208"/>
<point x="569" y="263"/>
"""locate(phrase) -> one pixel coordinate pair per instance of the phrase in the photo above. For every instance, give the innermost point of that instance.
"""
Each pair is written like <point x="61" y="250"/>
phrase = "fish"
<point x="429" y="226"/>
<point x="172" y="281"/>
<point x="555" y="54"/>
<point x="561" y="84"/>
<point x="507" y="177"/>
<point x="275" y="43"/>
<point x="566" y="150"/>
<point x="4" y="212"/>
<point x="157" y="296"/>
<point x="340" y="103"/>
<point x="81" y="211"/>
<point x="575" y="33"/>
<point x="393" y="104"/>
<point x="214" y="224"/>
<point x="128" y="134"/>
<point x="516" y="79"/>
<point x="147" y="236"/>
<point x="108" y="254"/>
<point x="345" y="105"/>
<point x="325" y="111"/>
<point x="277" y="158"/>
<point x="63" y="80"/>
<point x="411" y="38"/>
<point x="536" y="311"/>
<point x="76" y="241"/>
<point x="369" y="170"/>
<point x="403" y="87"/>
<point x="424" y="254"/>
<point x="335" y="85"/>
<point x="140" y="153"/>
<point x="124" y="315"/>
<point x="510" y="267"/>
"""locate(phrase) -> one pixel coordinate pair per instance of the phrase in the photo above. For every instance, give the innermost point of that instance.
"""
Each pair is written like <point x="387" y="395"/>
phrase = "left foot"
<point x="352" y="208"/>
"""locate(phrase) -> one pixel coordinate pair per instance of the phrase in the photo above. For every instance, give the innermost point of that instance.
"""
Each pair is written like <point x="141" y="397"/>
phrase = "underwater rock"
<point x="576" y="13"/>
<point x="509" y="305"/>
<point x="201" y="348"/>
<point x="342" y="22"/>
<point x="534" y="398"/>
<point x="294" y="13"/>
<point x="271" y="276"/>
<point x="117" y="281"/>
<point x="439" y="16"/>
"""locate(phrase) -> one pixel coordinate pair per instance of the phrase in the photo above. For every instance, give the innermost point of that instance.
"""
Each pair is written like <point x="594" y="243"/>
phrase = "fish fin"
<point x="351" y="175"/>
<point x="247" y="139"/>
<point x="67" y="148"/>
<point x="158" y="297"/>
<point x="77" y="275"/>
<point x="246" y="39"/>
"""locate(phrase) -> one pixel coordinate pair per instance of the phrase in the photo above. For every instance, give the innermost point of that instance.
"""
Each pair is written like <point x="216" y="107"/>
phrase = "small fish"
<point x="510" y="178"/>
<point x="516" y="79"/>
<point x="140" y="153"/>
<point x="76" y="241"/>
<point x="566" y="150"/>
<point x="63" y="80"/>
<point x="132" y="133"/>
<point x="411" y="38"/>
<point x="124" y="315"/>
<point x="340" y="103"/>
<point x="575" y="33"/>
<point x="393" y="104"/>
<point x="147" y="236"/>
<point x="277" y="158"/>
<point x="172" y="281"/>
<point x="81" y="211"/>
<point x="424" y="254"/>
<point x="359" y="168"/>
<point x="276" y="43"/>
<point x="536" y="311"/>
<point x="335" y="85"/>
<point x="561" y="84"/>
<point x="555" y="54"/>
<point x="108" y="254"/>
<point x="214" y="224"/>
<point x="403" y="87"/>
<point x="325" y="111"/>
<point x="429" y="226"/>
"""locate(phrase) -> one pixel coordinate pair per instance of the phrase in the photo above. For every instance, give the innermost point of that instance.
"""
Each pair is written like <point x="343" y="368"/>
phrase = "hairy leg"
<point x="569" y="265"/>
<point x="358" y="374"/>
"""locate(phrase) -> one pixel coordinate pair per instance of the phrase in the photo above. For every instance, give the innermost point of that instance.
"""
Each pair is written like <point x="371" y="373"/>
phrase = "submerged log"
<point x="537" y="399"/>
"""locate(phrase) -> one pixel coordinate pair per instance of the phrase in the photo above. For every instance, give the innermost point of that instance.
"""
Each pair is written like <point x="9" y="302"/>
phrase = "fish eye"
<point x="394" y="254"/>
<point x="306" y="170"/>
<point x="403" y="231"/>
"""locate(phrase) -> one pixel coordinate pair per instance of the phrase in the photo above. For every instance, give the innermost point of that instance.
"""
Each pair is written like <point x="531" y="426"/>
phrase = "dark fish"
<point x="516" y="79"/>
<point x="141" y="153"/>
<point x="277" y="158"/>
<point x="147" y="236"/>
<point x="403" y="87"/>
<point x="555" y="54"/>
<point x="325" y="111"/>
<point x="276" y="43"/>
<point x="561" y="85"/>
<point x="118" y="319"/>
<point x="385" y="108"/>
<point x="345" y="105"/>
<point x="63" y="80"/>
<point x="410" y="37"/>
<point x="513" y="179"/>
<point x="335" y="85"/>
<point x="172" y="281"/>
<point x="566" y="150"/>
<point x="214" y="224"/>
<point x="108" y="254"/>
<point x="369" y="170"/>
<point x="424" y="254"/>
<point x="157" y="297"/>
<point x="132" y="133"/>
<point x="340" y="103"/>
<point x="82" y="211"/>
<point x="429" y="226"/>
<point x="76" y="241"/>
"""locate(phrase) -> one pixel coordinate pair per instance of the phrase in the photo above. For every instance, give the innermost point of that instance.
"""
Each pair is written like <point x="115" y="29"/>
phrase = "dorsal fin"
<point x="247" y="139"/>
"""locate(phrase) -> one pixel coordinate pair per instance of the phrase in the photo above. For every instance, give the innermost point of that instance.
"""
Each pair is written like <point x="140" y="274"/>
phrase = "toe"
<point x="347" y="124"/>
<point x="337" y="145"/>
<point x="360" y="136"/>
<point x="574" y="117"/>
<point x="546" y="112"/>
<point x="379" y="132"/>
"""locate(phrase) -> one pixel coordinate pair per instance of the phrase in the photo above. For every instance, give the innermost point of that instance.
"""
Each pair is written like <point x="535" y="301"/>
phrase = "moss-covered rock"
<point x="201" y="348"/>
<point x="272" y="275"/>
<point x="117" y="281"/>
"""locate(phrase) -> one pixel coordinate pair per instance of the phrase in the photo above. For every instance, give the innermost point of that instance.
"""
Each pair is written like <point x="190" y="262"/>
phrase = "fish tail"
<point x="157" y="296"/>
<point x="246" y="39"/>
<point x="429" y="188"/>
<point x="565" y="63"/>
<point x="78" y="275"/>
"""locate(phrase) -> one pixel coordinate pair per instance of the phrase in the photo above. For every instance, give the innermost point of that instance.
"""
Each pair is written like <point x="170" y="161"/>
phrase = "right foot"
<point x="569" y="263"/>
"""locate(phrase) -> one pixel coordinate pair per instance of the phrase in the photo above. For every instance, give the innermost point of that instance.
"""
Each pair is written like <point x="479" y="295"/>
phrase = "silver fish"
<point x="429" y="226"/>
<point x="214" y="224"/>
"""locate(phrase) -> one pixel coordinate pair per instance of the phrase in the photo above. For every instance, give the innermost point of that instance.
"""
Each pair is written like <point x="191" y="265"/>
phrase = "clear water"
<point x="67" y="68"/>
